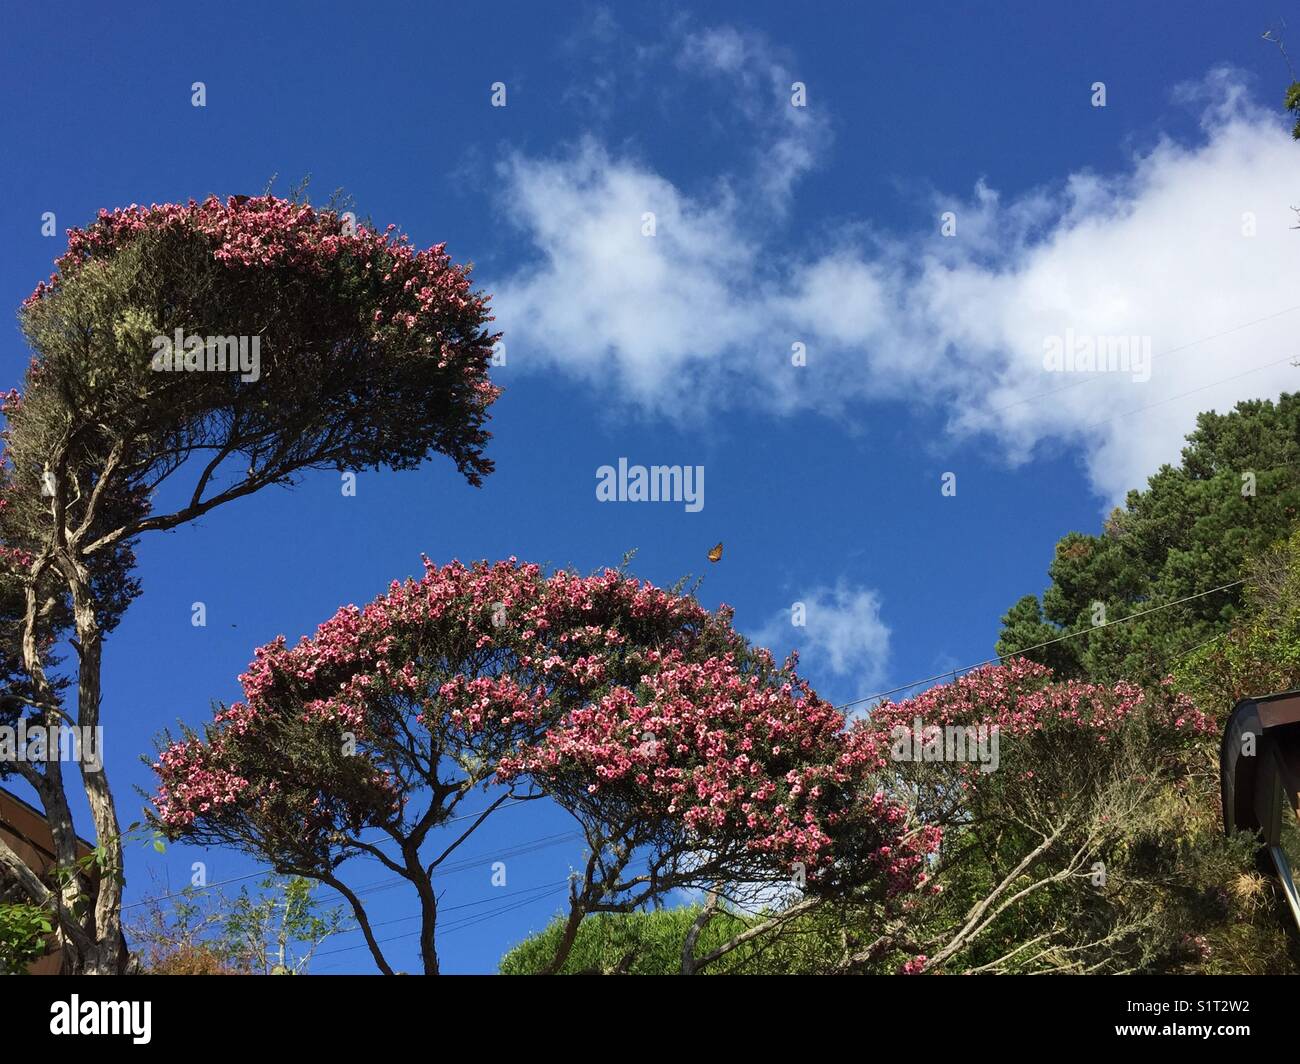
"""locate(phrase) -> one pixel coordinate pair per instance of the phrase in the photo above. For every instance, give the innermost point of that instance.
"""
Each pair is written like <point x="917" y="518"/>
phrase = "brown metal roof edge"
<point x="1276" y="710"/>
<point x="6" y="793"/>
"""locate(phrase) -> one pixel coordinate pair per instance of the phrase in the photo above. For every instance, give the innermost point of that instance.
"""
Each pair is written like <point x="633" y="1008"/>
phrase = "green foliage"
<point x="1192" y="898"/>
<point x="274" y="930"/>
<point x="1260" y="653"/>
<point x="640" y="943"/>
<point x="1192" y="529"/>
<point x="1084" y="847"/>
<point x="282" y="924"/>
<point x="1292" y="104"/>
<point x="1199" y="525"/>
<point x="1162" y="891"/>
<point x="650" y="943"/>
<point x="23" y="929"/>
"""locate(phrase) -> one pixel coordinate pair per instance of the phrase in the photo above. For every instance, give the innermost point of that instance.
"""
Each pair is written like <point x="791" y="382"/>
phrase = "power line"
<point x="467" y="864"/>
<point x="1038" y="646"/>
<point x="1170" y="351"/>
<point x="518" y="850"/>
<point x="460" y="925"/>
<point x="271" y="871"/>
<point x="206" y="886"/>
<point x="1192" y="650"/>
<point x="537" y="894"/>
<point x="1194" y="391"/>
<point x="549" y="888"/>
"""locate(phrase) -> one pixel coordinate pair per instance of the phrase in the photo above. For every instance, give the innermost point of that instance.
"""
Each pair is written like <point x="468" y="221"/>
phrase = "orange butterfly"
<point x="715" y="555"/>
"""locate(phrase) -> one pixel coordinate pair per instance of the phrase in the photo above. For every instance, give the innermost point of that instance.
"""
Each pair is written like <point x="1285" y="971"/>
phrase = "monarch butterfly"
<point x="715" y="554"/>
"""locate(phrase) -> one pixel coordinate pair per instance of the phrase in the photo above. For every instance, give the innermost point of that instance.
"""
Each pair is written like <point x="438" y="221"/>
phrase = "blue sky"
<point x="775" y="225"/>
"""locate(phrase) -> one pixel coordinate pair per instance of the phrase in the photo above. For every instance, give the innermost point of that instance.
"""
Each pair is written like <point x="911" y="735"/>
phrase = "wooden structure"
<point x="26" y="831"/>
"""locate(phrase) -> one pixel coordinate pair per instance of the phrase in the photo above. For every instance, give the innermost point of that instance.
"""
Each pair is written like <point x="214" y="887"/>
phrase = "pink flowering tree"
<point x="186" y="356"/>
<point x="1046" y="794"/>
<point x="688" y="759"/>
<point x="739" y="779"/>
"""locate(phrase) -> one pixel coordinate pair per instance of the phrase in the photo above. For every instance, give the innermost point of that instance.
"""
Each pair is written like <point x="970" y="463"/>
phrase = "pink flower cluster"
<point x="724" y="752"/>
<point x="469" y="651"/>
<point x="611" y="694"/>
<point x="419" y="290"/>
<point x="206" y="788"/>
<point x="1020" y="698"/>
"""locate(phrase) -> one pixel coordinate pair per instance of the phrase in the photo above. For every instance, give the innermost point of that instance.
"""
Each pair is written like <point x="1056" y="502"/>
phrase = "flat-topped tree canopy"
<point x="369" y="353"/>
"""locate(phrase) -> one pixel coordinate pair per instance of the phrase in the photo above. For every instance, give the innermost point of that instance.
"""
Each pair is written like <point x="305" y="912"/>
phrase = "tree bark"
<point x="105" y="959"/>
<point x="428" y="906"/>
<point x="363" y="921"/>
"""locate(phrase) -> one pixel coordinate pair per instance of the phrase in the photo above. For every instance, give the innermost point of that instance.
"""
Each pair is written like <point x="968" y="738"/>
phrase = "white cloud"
<point x="843" y="644"/>
<point x="702" y="315"/>
<point x="789" y="138"/>
<point x="654" y="309"/>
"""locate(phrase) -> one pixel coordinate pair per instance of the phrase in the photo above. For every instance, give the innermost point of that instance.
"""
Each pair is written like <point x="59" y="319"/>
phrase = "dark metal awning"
<point x="1259" y="767"/>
